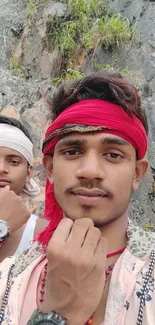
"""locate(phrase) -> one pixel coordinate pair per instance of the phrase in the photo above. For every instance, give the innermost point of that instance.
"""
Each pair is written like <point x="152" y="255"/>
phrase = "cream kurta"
<point x="131" y="298"/>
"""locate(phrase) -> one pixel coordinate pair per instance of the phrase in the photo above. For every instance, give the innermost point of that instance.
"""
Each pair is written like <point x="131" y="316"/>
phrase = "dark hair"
<point x="12" y="121"/>
<point x="111" y="87"/>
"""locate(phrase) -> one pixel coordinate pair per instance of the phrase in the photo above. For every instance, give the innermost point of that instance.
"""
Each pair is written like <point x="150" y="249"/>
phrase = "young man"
<point x="96" y="267"/>
<point x="18" y="227"/>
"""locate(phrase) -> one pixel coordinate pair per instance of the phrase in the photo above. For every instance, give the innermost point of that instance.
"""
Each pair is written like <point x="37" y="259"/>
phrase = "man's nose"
<point x="3" y="167"/>
<point x="91" y="168"/>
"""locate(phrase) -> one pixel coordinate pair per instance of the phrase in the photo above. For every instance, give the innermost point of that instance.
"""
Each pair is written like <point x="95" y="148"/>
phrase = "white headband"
<point x="13" y="138"/>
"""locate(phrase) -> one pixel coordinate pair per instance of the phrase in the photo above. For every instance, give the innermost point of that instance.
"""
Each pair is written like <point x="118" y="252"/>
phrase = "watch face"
<point x="3" y="229"/>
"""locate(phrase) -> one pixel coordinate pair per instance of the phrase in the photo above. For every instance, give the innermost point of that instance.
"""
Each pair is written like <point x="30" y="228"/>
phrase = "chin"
<point x="83" y="214"/>
<point x="96" y="217"/>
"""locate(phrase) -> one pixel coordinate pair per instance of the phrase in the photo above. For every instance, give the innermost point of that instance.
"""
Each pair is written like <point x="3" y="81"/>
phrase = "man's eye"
<point x="71" y="152"/>
<point x="14" y="162"/>
<point x="113" y="155"/>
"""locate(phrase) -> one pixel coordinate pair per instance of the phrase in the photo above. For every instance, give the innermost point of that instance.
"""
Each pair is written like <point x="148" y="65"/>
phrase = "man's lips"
<point x="94" y="192"/>
<point x="90" y="197"/>
<point x="4" y="182"/>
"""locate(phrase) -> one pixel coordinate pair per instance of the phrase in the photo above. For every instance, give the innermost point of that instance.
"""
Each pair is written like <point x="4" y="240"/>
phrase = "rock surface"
<point x="23" y="89"/>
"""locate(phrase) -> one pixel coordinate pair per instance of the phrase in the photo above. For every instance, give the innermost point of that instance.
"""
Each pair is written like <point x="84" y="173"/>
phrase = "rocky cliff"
<point x="28" y="63"/>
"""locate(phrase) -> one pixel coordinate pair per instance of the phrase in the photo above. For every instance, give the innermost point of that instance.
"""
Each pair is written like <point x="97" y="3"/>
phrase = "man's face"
<point x="94" y="175"/>
<point x="14" y="170"/>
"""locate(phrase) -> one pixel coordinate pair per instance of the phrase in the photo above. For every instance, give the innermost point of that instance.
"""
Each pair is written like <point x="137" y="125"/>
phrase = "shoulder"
<point x="41" y="224"/>
<point x="140" y="242"/>
<point x="28" y="257"/>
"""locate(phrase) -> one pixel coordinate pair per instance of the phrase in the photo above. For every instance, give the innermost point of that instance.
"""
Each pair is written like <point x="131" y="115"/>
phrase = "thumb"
<point x="5" y="189"/>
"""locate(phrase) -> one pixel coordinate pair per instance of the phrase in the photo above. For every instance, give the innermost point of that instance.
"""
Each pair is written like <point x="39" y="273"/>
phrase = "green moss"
<point x="68" y="74"/>
<point x="112" y="67"/>
<point x="32" y="8"/>
<point x="87" y="24"/>
<point x="114" y="31"/>
<point x="15" y="66"/>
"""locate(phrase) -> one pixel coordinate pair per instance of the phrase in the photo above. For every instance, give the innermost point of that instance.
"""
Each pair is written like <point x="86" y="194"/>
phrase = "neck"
<point x="116" y="233"/>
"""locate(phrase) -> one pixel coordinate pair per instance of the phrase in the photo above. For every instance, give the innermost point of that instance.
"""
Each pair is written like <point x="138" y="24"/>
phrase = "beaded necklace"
<point x="107" y="273"/>
<point x="144" y="290"/>
<point x="43" y="281"/>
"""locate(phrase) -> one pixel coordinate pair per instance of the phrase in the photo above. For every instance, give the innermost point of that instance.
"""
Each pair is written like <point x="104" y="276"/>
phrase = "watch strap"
<point x="40" y="318"/>
<point x="3" y="239"/>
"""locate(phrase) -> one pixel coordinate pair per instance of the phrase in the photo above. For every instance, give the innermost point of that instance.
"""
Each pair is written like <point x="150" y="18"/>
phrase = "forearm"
<point x="64" y="309"/>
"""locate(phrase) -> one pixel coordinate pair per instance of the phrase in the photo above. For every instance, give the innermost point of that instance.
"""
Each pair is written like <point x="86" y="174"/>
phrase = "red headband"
<point x="97" y="113"/>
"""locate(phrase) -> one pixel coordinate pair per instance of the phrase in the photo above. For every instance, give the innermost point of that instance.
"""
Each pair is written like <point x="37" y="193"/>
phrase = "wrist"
<point x="45" y="309"/>
<point x="72" y="318"/>
<point x="51" y="318"/>
<point x="4" y="231"/>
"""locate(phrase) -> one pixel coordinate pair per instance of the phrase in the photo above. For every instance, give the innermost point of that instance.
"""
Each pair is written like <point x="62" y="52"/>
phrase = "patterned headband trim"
<point x="68" y="128"/>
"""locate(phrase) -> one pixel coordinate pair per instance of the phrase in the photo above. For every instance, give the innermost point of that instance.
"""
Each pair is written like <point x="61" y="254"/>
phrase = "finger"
<point x="5" y="189"/>
<point x="101" y="252"/>
<point x="92" y="238"/>
<point x="79" y="232"/>
<point x="62" y="231"/>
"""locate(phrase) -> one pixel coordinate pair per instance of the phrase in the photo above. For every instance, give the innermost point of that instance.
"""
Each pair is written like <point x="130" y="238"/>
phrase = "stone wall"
<point x="23" y="91"/>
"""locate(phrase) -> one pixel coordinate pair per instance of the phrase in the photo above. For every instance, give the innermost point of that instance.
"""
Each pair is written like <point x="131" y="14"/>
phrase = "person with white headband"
<point x="17" y="226"/>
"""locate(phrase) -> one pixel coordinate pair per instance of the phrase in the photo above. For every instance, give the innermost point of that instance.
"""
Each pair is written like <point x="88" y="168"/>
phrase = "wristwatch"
<point x="40" y="318"/>
<point x="4" y="230"/>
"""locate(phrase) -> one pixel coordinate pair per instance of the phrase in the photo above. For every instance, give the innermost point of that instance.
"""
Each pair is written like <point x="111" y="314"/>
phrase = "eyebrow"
<point x="80" y="142"/>
<point x="69" y="143"/>
<point x="117" y="141"/>
<point x="14" y="156"/>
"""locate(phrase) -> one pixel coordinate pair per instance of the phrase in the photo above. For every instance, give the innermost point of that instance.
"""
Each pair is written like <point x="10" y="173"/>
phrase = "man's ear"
<point x="48" y="164"/>
<point x="140" y="171"/>
<point x="29" y="173"/>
